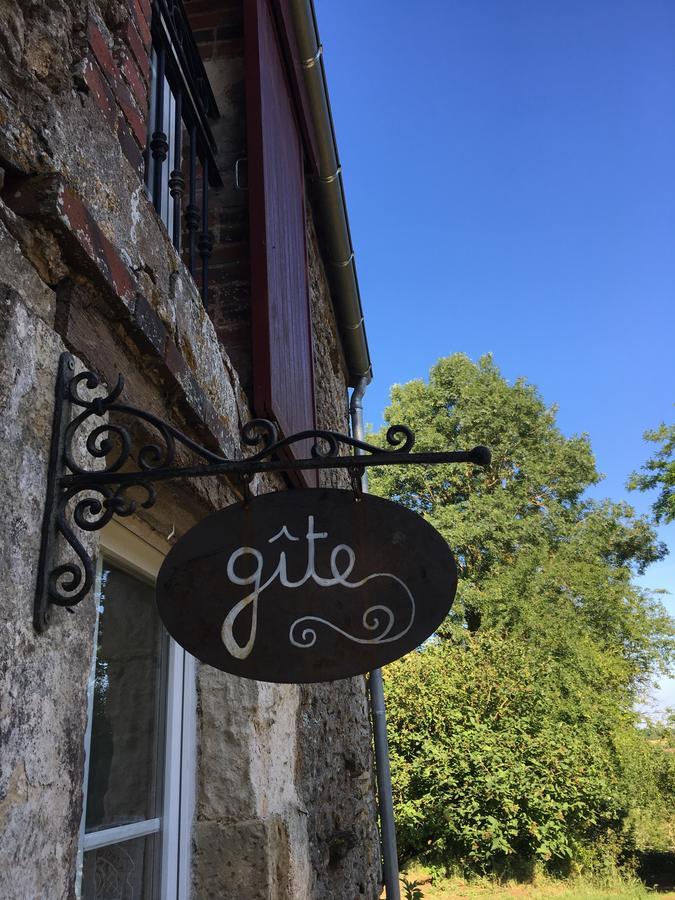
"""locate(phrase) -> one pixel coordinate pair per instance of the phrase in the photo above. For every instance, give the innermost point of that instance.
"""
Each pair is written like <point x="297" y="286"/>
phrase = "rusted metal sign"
<point x="304" y="586"/>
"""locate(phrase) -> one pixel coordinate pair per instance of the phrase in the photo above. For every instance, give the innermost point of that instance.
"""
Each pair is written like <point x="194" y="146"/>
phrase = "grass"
<point x="485" y="889"/>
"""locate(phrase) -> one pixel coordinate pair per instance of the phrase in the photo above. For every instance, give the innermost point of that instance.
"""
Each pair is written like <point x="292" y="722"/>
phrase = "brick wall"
<point x="116" y="71"/>
<point x="219" y="33"/>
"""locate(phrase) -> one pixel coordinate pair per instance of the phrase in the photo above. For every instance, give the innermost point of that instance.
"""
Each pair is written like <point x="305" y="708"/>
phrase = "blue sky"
<point x="510" y="178"/>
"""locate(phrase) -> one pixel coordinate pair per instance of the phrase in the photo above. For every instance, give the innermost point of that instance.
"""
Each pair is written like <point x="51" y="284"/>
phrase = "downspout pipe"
<point x="378" y="712"/>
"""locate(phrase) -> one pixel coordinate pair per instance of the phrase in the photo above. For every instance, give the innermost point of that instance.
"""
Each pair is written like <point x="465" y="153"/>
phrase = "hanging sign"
<point x="307" y="585"/>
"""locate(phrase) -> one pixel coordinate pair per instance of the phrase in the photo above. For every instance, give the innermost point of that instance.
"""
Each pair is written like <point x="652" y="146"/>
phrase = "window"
<point x="138" y="770"/>
<point x="180" y="162"/>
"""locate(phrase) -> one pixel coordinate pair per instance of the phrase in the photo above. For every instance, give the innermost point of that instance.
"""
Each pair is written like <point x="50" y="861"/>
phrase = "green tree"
<point x="659" y="472"/>
<point x="510" y="729"/>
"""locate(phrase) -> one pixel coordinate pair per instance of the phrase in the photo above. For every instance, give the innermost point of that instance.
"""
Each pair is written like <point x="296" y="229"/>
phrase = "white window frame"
<point x="128" y="547"/>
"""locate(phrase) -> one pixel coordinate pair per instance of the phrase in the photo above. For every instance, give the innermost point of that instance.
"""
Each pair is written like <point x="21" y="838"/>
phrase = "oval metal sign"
<point x="307" y="585"/>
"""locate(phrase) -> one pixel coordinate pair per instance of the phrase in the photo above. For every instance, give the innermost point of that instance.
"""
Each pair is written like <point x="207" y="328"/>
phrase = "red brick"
<point x="142" y="22"/>
<point x="227" y="254"/>
<point x="193" y="7"/>
<point x="234" y="334"/>
<point x="134" y="107"/>
<point x="139" y="51"/>
<point x="218" y="18"/>
<point x="50" y="199"/>
<point x="102" y="52"/>
<point x="99" y="90"/>
<point x="226" y="7"/>
<point x="146" y="9"/>
<point x="135" y="118"/>
<point x="135" y="81"/>
<point x="209" y="19"/>
<point x="82" y="225"/>
<point x="129" y="146"/>
<point x="204" y="36"/>
<point x="225" y="50"/>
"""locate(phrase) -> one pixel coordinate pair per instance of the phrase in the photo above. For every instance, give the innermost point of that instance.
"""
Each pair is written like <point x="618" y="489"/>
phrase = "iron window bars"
<point x="181" y="105"/>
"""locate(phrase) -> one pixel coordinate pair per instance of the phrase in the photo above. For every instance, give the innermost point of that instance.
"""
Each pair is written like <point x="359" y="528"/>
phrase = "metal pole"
<point x="378" y="712"/>
<point x="383" y="771"/>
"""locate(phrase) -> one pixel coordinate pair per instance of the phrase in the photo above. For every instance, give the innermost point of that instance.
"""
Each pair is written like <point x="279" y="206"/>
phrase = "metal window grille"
<point x="180" y="155"/>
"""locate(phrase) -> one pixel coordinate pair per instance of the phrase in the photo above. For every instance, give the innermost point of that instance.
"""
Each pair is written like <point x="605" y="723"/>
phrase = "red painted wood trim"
<point x="283" y="378"/>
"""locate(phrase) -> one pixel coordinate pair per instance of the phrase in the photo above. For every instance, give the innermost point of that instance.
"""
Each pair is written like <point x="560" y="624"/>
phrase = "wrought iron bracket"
<point x="93" y="466"/>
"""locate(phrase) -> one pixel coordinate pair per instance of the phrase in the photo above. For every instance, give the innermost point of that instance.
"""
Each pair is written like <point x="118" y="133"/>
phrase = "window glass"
<point x="124" y="871"/>
<point x="127" y="729"/>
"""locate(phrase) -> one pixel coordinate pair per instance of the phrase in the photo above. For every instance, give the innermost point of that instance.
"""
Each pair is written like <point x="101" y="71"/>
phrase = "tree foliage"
<point x="659" y="472"/>
<point x="512" y="731"/>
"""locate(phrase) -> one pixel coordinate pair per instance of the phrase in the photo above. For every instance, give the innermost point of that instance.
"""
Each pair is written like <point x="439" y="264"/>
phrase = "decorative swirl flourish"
<point x="91" y="382"/>
<point x="113" y="437"/>
<point x="326" y="443"/>
<point x="91" y="513"/>
<point x="258" y="430"/>
<point x="152" y="456"/>
<point x="69" y="583"/>
<point x="308" y="635"/>
<point x="325" y="446"/>
<point x="401" y="437"/>
<point x="112" y="442"/>
<point x="369" y="620"/>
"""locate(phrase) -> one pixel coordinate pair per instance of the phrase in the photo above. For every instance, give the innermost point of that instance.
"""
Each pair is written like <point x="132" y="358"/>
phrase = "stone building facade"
<point x="127" y="768"/>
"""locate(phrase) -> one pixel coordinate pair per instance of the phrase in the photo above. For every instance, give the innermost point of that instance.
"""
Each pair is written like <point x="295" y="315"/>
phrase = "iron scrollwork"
<point x="93" y="468"/>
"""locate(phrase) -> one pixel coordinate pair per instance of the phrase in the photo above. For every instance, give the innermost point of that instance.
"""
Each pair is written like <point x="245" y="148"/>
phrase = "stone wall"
<point x="284" y="790"/>
<point x="42" y="680"/>
<point x="334" y="762"/>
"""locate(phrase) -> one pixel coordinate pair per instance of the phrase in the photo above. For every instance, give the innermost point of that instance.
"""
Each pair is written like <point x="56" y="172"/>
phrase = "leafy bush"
<point x="512" y="732"/>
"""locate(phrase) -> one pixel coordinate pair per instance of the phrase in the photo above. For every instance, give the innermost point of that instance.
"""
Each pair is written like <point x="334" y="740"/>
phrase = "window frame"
<point x="129" y="549"/>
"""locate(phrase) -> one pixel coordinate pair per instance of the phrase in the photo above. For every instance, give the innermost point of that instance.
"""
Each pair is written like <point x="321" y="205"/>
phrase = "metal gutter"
<point x="329" y="196"/>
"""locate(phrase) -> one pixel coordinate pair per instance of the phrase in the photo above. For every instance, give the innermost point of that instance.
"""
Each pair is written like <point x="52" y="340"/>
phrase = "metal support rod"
<point x="62" y="409"/>
<point x="254" y="466"/>
<point x="377" y="709"/>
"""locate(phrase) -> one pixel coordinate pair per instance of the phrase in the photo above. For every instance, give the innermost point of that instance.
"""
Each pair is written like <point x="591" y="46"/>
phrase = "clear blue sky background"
<point x="510" y="178"/>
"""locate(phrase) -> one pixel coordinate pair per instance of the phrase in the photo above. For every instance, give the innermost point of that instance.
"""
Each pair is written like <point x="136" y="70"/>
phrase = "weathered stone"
<point x="24" y="275"/>
<point x="249" y="859"/>
<point x="284" y="805"/>
<point x="42" y="679"/>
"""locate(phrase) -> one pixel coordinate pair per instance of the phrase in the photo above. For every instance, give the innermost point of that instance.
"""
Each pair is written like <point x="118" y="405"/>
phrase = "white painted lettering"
<point x="339" y="576"/>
